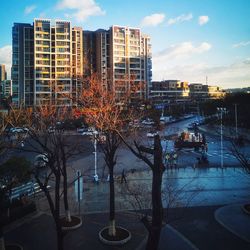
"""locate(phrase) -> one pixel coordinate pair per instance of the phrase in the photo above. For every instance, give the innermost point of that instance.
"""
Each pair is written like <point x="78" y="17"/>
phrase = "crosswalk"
<point x="214" y="153"/>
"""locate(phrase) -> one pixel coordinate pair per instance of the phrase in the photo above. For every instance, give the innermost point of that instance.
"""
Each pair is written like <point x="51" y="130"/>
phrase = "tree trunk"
<point x="112" y="230"/>
<point x="157" y="212"/>
<point x="56" y="214"/>
<point x="2" y="244"/>
<point x="65" y="195"/>
<point x="59" y="234"/>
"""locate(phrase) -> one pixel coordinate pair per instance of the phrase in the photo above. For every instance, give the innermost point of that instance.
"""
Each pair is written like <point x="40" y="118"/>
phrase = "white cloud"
<point x="234" y="75"/>
<point x="29" y="9"/>
<point x="81" y="9"/>
<point x="182" y="50"/>
<point x="203" y="20"/>
<point x="241" y="44"/>
<point x="180" y="19"/>
<point x="6" y="58"/>
<point x="153" y="20"/>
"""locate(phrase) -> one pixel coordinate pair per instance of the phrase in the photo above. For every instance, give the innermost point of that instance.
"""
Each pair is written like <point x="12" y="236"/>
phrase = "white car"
<point x="152" y="134"/>
<point x="41" y="160"/>
<point x="19" y="130"/>
<point x="148" y="122"/>
<point x="89" y="131"/>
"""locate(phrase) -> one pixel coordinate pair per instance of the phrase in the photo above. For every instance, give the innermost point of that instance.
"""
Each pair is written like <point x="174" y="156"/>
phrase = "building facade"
<point x="22" y="72"/>
<point x="130" y="61"/>
<point x="169" y="91"/>
<point x="177" y="92"/>
<point x="51" y="59"/>
<point x="3" y="73"/>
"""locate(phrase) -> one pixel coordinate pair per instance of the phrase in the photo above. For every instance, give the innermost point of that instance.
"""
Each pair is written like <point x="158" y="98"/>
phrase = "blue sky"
<point x="191" y="39"/>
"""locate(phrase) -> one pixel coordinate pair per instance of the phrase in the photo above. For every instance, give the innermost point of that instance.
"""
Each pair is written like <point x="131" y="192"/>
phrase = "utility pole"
<point x="221" y="134"/>
<point x="95" y="147"/>
<point x="236" y="120"/>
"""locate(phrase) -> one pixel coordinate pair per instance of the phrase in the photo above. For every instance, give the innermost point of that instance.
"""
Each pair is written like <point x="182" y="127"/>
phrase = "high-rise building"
<point x="50" y="60"/>
<point x="47" y="62"/>
<point x="77" y="61"/>
<point x="103" y="56"/>
<point x="120" y="56"/>
<point x="22" y="72"/>
<point x="130" y="60"/>
<point x="52" y="68"/>
<point x="3" y="73"/>
<point x="89" y="52"/>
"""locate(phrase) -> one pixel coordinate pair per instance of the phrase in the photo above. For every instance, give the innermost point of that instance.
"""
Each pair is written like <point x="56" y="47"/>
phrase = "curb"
<point x="114" y="243"/>
<point x="216" y="216"/>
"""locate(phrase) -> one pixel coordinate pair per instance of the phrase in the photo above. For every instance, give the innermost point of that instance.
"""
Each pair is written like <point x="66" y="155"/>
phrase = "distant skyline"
<point x="190" y="39"/>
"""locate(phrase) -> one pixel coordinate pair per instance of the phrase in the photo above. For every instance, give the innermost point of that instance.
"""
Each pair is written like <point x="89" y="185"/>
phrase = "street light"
<point x="236" y="120"/>
<point x="222" y="110"/>
<point x="95" y="133"/>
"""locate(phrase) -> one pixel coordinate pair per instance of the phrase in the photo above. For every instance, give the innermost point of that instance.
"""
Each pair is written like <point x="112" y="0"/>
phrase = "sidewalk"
<point x="196" y="228"/>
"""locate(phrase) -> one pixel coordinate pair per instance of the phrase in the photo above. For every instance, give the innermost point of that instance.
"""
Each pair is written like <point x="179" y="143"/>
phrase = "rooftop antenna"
<point x="206" y="80"/>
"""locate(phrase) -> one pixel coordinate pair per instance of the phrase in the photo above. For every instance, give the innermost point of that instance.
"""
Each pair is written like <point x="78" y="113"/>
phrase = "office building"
<point x="169" y="91"/>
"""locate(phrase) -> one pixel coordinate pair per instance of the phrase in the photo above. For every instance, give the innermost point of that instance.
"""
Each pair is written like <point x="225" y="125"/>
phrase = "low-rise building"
<point x="177" y="92"/>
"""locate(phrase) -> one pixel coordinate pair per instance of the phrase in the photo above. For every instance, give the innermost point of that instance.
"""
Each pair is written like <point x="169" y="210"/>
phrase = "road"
<point x="186" y="157"/>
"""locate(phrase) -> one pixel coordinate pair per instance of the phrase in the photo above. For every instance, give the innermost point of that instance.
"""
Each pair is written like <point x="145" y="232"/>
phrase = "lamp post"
<point x="236" y="120"/>
<point x="95" y="133"/>
<point x="221" y="110"/>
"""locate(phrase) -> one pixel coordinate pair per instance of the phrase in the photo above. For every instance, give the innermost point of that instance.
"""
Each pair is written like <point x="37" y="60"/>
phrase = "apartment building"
<point x="77" y="61"/>
<point x="52" y="67"/>
<point x="130" y="60"/>
<point x="50" y="60"/>
<point x="120" y="56"/>
<point x="47" y="63"/>
<point x="22" y="72"/>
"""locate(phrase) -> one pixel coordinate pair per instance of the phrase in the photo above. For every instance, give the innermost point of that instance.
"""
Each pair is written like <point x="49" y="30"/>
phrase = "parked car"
<point x="19" y="130"/>
<point x="148" y="122"/>
<point x="51" y="130"/>
<point x="152" y="134"/>
<point x="82" y="129"/>
<point x="41" y="160"/>
<point x="89" y="131"/>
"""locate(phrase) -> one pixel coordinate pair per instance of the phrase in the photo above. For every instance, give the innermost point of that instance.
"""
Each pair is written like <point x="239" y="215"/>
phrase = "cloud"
<point x="80" y="9"/>
<point x="153" y="20"/>
<point x="241" y="44"/>
<point x="236" y="74"/>
<point x="29" y="9"/>
<point x="180" y="19"/>
<point x="182" y="50"/>
<point x="203" y="20"/>
<point x="6" y="58"/>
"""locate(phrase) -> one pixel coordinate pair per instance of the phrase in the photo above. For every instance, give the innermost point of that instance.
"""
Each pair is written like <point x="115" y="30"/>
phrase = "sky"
<point x="191" y="39"/>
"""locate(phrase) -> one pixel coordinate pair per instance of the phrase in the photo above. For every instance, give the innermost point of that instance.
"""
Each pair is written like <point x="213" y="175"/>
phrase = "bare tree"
<point x="103" y="111"/>
<point x="157" y="167"/>
<point x="44" y="139"/>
